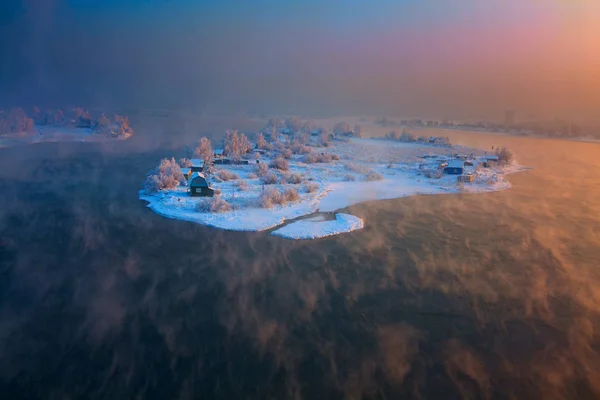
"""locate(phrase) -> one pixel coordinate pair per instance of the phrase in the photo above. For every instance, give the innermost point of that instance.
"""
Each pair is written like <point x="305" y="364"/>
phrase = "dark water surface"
<point x="460" y="296"/>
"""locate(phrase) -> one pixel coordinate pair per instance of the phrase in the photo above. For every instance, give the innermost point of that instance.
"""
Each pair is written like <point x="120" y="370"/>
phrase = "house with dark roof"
<point x="199" y="186"/>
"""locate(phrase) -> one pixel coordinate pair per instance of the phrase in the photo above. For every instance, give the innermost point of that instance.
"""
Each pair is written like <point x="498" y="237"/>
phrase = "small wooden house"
<point x="197" y="165"/>
<point x="466" y="178"/>
<point x="218" y="153"/>
<point x="187" y="172"/>
<point x="455" y="167"/>
<point x="199" y="186"/>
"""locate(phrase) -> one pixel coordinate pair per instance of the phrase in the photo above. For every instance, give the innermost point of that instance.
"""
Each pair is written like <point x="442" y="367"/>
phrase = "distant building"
<point x="197" y="165"/>
<point x="455" y="167"/>
<point x="466" y="178"/>
<point x="187" y="172"/>
<point x="218" y="153"/>
<point x="199" y="186"/>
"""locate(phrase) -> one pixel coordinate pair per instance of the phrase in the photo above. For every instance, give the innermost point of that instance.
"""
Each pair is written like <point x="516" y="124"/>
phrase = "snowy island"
<point x="293" y="179"/>
<point x="77" y="124"/>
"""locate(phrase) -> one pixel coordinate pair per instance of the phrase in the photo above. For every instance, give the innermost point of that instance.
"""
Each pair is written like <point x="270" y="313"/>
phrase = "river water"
<point x="492" y="295"/>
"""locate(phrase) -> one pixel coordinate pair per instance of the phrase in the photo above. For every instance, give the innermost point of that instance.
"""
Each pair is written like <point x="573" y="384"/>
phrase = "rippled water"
<point x="476" y="296"/>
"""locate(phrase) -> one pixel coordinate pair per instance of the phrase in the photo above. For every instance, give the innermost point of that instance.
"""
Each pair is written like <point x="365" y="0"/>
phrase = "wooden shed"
<point x="466" y="178"/>
<point x="199" y="186"/>
<point x="455" y="167"/>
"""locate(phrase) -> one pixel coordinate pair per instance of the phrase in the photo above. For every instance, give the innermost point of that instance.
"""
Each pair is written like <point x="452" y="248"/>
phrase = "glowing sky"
<point x="427" y="57"/>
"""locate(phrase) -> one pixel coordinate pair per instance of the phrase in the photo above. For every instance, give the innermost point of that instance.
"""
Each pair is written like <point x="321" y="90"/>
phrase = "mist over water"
<point x="487" y="296"/>
<point x="476" y="295"/>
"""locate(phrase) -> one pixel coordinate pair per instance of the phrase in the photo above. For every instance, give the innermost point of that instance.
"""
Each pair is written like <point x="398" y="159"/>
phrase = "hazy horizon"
<point x="426" y="58"/>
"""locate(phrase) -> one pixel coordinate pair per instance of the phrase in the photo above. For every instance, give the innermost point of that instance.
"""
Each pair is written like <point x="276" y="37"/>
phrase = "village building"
<point x="186" y="172"/>
<point x="197" y="165"/>
<point x="466" y="178"/>
<point x="455" y="167"/>
<point x="199" y="186"/>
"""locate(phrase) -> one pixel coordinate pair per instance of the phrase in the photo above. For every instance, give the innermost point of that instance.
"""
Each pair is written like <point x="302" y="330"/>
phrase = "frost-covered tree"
<point x="293" y="123"/>
<point x="357" y="131"/>
<point x="303" y="138"/>
<point x="16" y="121"/>
<point x="122" y="126"/>
<point x="245" y="144"/>
<point x="56" y="117"/>
<point x="324" y="139"/>
<point x="504" y="155"/>
<point x="102" y="124"/>
<point x="167" y="176"/>
<point x="342" y="128"/>
<point x="233" y="146"/>
<point x="407" y="137"/>
<point x="185" y="162"/>
<point x="308" y="126"/>
<point x="204" y="150"/>
<point x="261" y="143"/>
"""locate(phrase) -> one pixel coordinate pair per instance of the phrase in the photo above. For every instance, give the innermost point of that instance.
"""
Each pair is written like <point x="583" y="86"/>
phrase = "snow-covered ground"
<point x="312" y="228"/>
<point x="403" y="169"/>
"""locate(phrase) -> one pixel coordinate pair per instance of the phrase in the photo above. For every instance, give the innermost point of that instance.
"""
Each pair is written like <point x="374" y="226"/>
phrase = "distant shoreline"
<point x="582" y="139"/>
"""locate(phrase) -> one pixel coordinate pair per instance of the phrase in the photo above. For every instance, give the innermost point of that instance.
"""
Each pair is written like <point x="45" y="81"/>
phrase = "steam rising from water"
<point x="478" y="295"/>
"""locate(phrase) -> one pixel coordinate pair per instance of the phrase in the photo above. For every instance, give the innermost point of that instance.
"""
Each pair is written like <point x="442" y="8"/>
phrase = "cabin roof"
<point x="197" y="162"/>
<point x="198" y="180"/>
<point x="218" y="151"/>
<point x="456" y="164"/>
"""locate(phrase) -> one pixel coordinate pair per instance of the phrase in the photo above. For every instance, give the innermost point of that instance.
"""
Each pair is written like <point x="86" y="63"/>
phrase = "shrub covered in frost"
<point x="269" y="179"/>
<point x="219" y="205"/>
<point x="280" y="163"/>
<point x="324" y="139"/>
<point x="299" y="148"/>
<point x="241" y="185"/>
<point x="310" y="158"/>
<point x="167" y="176"/>
<point x="291" y="195"/>
<point x="294" y="179"/>
<point x="311" y="187"/>
<point x="270" y="197"/>
<point x="325" y="158"/>
<point x="261" y="169"/>
<point x="227" y="175"/>
<point x="358" y="168"/>
<point x="286" y="154"/>
<point x="349" y="178"/>
<point x="373" y="176"/>
<point x="215" y="204"/>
